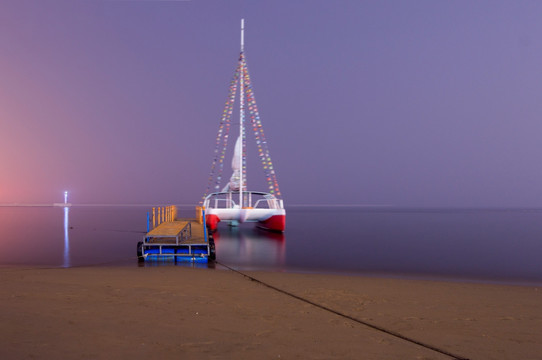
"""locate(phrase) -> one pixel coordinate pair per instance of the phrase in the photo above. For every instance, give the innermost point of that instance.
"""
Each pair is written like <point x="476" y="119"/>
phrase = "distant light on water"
<point x="65" y="197"/>
<point x="66" y="236"/>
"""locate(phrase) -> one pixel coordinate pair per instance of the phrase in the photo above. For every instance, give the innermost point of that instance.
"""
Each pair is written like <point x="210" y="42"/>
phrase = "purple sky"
<point x="407" y="103"/>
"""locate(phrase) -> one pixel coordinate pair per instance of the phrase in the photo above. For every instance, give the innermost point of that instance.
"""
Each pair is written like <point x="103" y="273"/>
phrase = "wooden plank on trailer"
<point x="168" y="229"/>
<point x="198" y="235"/>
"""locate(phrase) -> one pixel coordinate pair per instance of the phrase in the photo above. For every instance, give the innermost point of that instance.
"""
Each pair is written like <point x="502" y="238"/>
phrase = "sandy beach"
<point x="176" y="312"/>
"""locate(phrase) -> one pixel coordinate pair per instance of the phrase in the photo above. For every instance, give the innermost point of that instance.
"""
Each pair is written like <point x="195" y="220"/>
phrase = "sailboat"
<point x="233" y="203"/>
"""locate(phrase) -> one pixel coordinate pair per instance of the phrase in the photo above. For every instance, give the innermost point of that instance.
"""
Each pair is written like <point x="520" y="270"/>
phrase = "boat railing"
<point x="259" y="199"/>
<point x="218" y="203"/>
<point x="267" y="204"/>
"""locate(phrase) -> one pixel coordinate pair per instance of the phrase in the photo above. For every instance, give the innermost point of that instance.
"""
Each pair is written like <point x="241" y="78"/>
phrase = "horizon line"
<point x="389" y="206"/>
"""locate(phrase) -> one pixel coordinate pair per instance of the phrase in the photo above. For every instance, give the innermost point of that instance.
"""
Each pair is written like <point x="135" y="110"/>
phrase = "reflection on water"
<point x="502" y="245"/>
<point x="250" y="247"/>
<point x="66" y="237"/>
<point x="243" y="247"/>
<point x="31" y="235"/>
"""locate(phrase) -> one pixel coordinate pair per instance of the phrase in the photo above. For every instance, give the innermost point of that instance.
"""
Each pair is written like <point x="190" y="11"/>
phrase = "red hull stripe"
<point x="212" y="221"/>
<point x="275" y="223"/>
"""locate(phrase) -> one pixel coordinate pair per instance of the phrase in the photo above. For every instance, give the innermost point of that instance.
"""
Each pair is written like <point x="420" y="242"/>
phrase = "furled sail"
<point x="233" y="184"/>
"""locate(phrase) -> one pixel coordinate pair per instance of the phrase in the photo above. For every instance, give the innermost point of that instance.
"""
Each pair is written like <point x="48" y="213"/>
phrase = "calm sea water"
<point x="479" y="245"/>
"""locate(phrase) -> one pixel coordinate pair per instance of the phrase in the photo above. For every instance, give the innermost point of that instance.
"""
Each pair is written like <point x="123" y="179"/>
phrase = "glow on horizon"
<point x="93" y="100"/>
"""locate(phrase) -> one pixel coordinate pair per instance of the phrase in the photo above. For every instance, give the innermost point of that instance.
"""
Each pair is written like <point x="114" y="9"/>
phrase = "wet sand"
<point x="183" y="313"/>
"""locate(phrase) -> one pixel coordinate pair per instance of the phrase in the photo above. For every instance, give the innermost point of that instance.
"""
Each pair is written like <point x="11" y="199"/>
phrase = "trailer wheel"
<point x="212" y="251"/>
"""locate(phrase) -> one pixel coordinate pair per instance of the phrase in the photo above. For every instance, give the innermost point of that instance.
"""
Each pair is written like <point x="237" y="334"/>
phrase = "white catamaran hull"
<point x="267" y="211"/>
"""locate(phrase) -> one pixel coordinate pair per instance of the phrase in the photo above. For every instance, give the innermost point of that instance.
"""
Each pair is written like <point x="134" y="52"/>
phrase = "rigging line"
<point x="222" y="136"/>
<point x="336" y="312"/>
<point x="263" y="149"/>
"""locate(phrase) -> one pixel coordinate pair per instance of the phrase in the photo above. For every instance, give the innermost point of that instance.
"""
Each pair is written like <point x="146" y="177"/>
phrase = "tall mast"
<point x="241" y="114"/>
<point x="242" y="35"/>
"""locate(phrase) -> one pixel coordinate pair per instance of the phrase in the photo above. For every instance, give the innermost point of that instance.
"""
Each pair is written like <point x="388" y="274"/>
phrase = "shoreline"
<point x="167" y="312"/>
<point x="315" y="272"/>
